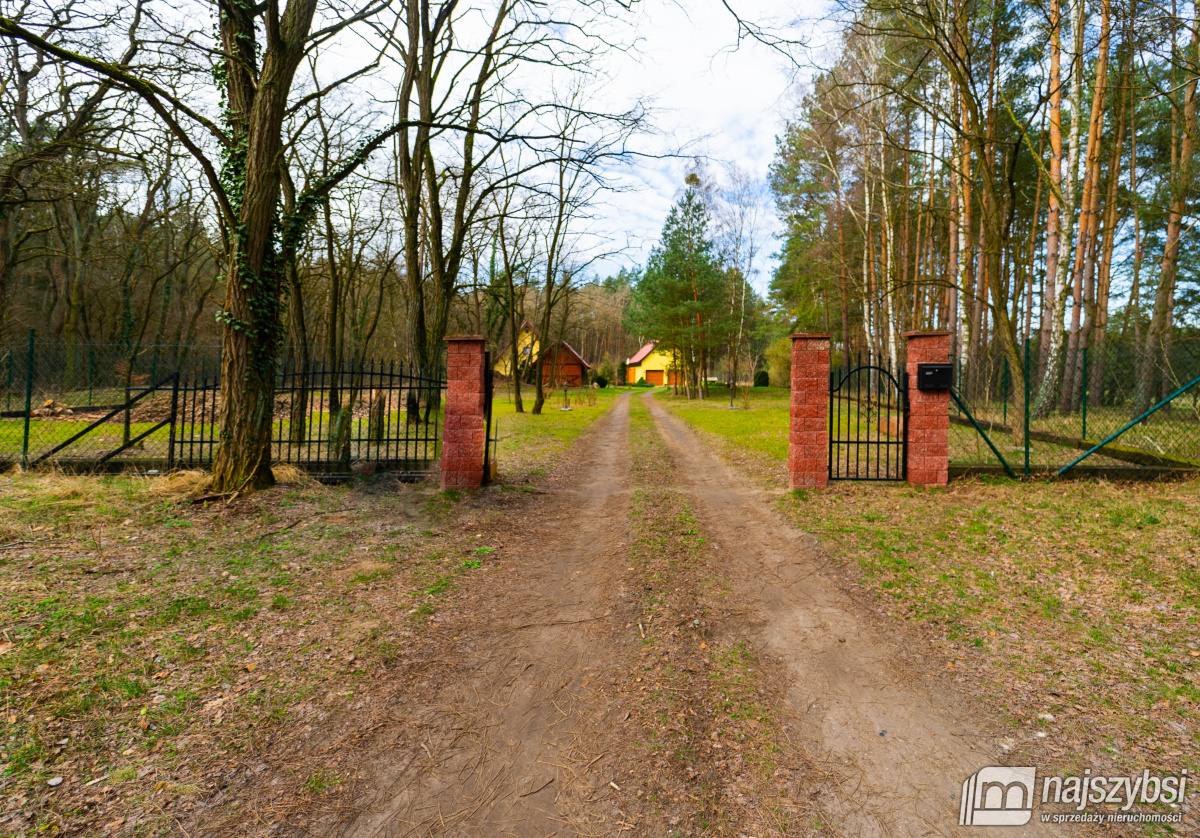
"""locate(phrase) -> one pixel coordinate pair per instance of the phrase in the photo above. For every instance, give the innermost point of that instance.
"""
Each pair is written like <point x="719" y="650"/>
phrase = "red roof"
<point x="586" y="365"/>
<point x="641" y="354"/>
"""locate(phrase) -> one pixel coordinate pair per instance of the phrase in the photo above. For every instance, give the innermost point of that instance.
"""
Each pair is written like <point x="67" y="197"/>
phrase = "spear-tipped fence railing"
<point x="86" y="406"/>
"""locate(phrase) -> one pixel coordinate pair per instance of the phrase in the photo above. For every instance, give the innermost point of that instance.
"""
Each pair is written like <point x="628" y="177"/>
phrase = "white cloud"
<point x="713" y="96"/>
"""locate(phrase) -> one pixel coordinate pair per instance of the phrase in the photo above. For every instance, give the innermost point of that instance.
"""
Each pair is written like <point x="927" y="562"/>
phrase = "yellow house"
<point x="651" y="364"/>
<point x="527" y="349"/>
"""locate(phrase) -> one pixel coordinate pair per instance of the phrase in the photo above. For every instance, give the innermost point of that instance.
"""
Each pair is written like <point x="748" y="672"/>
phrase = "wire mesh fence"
<point x="80" y="406"/>
<point x="1103" y="393"/>
<point x="73" y="375"/>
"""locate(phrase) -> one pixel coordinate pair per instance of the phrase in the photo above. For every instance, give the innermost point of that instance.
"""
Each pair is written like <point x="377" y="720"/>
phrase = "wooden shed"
<point x="563" y="366"/>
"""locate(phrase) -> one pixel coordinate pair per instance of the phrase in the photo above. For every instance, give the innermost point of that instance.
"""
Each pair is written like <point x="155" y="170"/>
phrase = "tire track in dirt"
<point x="899" y="744"/>
<point x="516" y="745"/>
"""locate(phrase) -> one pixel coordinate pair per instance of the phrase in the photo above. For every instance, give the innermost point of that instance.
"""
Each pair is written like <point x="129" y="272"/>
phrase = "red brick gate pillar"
<point x="463" y="437"/>
<point x="808" y="439"/>
<point x="929" y="413"/>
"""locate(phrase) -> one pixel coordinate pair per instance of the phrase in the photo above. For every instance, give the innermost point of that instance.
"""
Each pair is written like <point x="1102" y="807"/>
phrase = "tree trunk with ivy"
<point x="256" y="103"/>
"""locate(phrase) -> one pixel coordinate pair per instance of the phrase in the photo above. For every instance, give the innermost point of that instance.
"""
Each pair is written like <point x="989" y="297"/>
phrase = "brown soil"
<point x="516" y="742"/>
<point x="899" y="743"/>
<point x="524" y="711"/>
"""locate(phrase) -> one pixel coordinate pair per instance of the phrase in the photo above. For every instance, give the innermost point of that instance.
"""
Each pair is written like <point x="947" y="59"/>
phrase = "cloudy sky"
<point x="713" y="97"/>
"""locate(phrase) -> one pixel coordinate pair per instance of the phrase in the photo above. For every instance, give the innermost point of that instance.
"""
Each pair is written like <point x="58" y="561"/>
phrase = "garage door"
<point x="654" y="376"/>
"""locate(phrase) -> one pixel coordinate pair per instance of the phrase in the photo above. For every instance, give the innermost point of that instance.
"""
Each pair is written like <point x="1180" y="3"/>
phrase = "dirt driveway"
<point x="541" y="723"/>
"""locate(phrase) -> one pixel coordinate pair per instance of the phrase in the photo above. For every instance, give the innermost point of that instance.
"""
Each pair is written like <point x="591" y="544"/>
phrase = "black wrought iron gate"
<point x="490" y="437"/>
<point x="868" y="423"/>
<point x="332" y="421"/>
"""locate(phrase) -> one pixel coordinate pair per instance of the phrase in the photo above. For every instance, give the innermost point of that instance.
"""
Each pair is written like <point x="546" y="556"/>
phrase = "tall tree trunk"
<point x="952" y="270"/>
<point x="1054" y="214"/>
<point x="1098" y="335"/>
<point x="1089" y="220"/>
<point x="1048" y="391"/>
<point x="256" y="107"/>
<point x="1156" y="346"/>
<point x="1133" y="312"/>
<point x="965" y="286"/>
<point x="514" y="331"/>
<point x="1031" y="244"/>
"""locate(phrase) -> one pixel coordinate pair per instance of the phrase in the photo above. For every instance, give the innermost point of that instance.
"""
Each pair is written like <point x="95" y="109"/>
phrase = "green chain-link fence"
<point x="50" y="391"/>
<point x="1110" y="386"/>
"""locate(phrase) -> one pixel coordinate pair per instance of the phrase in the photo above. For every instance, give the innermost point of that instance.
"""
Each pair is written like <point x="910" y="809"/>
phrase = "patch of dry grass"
<point x="147" y="637"/>
<point x="153" y="644"/>
<point x="1077" y="602"/>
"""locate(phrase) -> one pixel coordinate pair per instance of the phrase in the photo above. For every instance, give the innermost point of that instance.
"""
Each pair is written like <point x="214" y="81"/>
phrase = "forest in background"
<point x="1018" y="173"/>
<point x="113" y="245"/>
<point x="1009" y="171"/>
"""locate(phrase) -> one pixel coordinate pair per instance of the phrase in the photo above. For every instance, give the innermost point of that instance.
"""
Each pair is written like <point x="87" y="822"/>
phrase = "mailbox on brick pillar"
<point x="930" y="377"/>
<point x="808" y="437"/>
<point x="464" y="435"/>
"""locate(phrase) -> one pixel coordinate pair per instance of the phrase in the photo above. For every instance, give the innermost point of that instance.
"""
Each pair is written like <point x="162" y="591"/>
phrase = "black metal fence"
<point x="329" y="419"/>
<point x="326" y="419"/>
<point x="75" y="374"/>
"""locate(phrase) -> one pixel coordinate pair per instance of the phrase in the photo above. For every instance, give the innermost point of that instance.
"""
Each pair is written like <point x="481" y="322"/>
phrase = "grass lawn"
<point x="150" y="644"/>
<point x="527" y="442"/>
<point x="764" y="429"/>
<point x="1073" y="610"/>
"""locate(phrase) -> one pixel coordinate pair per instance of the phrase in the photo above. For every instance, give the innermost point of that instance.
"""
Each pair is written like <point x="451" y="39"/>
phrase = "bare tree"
<point x="46" y="114"/>
<point x="257" y="52"/>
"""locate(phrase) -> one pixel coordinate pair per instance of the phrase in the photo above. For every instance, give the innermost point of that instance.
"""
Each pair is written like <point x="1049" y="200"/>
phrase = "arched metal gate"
<point x="868" y="423"/>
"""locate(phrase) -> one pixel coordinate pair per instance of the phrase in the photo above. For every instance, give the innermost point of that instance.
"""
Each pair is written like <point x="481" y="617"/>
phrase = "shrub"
<point x="604" y="370"/>
<point x="601" y="381"/>
<point x="762" y="379"/>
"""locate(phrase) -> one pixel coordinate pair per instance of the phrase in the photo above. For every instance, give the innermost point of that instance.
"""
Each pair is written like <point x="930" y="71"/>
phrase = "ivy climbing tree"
<point x="445" y="91"/>
<point x="256" y="86"/>
<point x="258" y="49"/>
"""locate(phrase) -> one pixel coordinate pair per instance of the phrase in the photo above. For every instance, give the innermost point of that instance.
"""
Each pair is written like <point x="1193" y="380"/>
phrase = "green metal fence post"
<point x="91" y="374"/>
<point x="1083" y="405"/>
<point x="1026" y="407"/>
<point x="28" y="400"/>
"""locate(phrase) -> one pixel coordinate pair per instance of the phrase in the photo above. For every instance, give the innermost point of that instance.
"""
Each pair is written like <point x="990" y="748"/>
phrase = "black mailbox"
<point x="935" y="376"/>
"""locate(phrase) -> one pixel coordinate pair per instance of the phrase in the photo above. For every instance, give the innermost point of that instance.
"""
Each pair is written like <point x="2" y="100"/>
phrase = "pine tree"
<point x="680" y="300"/>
